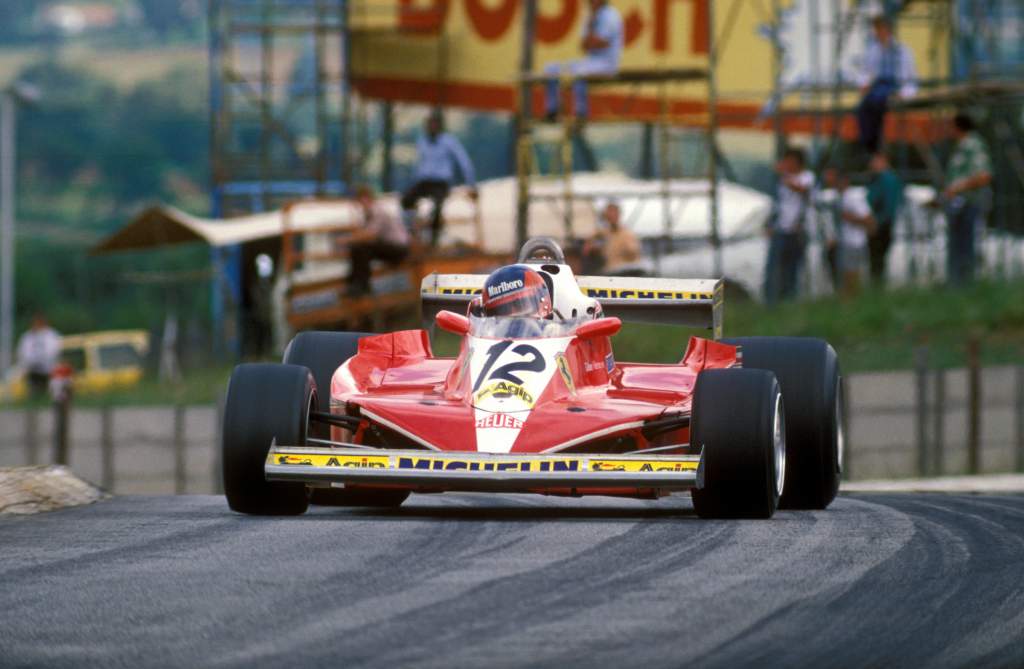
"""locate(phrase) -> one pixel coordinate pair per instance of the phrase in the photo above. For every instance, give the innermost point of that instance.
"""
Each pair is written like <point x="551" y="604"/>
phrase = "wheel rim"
<point x="779" y="445"/>
<point x="840" y="428"/>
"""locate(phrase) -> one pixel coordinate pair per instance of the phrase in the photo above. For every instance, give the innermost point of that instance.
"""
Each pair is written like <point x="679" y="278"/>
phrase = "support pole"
<point x="716" y="241"/>
<point x="61" y="421"/>
<point x="523" y="123"/>
<point x="180" y="472"/>
<point x="921" y="403"/>
<point x="107" y="447"/>
<point x="7" y="186"/>
<point x="387" y="177"/>
<point x="31" y="436"/>
<point x="647" y="151"/>
<point x="1020" y="418"/>
<point x="973" y="405"/>
<point x="938" y="464"/>
<point x="346" y="99"/>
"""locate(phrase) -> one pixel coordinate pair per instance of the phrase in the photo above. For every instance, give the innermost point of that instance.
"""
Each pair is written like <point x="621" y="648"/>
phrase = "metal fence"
<point x="162" y="449"/>
<point x="923" y="422"/>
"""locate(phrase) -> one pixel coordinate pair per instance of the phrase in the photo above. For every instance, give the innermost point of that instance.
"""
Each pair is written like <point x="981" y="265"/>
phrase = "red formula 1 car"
<point x="539" y="404"/>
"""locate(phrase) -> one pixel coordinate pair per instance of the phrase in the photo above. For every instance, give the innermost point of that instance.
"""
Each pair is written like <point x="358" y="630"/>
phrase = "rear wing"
<point x="693" y="303"/>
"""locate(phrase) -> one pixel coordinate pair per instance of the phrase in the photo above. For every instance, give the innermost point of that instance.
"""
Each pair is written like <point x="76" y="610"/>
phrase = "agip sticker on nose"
<point x="321" y="460"/>
<point x="602" y="465"/>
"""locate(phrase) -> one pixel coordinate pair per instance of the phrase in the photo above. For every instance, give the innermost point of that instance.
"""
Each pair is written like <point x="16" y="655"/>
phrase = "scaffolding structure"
<point x="960" y="72"/>
<point x="661" y="130"/>
<point x="280" y="103"/>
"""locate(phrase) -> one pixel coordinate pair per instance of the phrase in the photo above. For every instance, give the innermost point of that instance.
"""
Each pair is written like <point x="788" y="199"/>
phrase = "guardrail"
<point x="123" y="449"/>
<point x="923" y="422"/>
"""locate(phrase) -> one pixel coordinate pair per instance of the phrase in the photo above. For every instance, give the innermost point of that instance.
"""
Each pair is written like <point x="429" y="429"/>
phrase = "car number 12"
<point x="535" y="363"/>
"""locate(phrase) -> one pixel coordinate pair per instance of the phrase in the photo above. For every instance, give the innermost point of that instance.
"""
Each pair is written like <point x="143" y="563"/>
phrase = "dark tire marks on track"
<point x="507" y="581"/>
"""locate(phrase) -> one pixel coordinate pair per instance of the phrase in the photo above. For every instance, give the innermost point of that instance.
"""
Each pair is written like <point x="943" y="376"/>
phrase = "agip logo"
<point x="505" y="390"/>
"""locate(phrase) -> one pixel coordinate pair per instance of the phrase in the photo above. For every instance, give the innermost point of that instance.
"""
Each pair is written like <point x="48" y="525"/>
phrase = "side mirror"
<point x="602" y="327"/>
<point x="449" y="321"/>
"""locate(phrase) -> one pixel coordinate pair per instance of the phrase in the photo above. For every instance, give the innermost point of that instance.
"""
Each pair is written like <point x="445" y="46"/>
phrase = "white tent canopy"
<point x="742" y="212"/>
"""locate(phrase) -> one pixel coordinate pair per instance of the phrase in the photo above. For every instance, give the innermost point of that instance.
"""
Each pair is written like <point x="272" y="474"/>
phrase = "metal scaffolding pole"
<point x="523" y="123"/>
<point x="7" y="187"/>
<point x="712" y="132"/>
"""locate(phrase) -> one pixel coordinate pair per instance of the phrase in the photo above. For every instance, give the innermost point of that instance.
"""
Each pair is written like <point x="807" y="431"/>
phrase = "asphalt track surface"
<point x="516" y="581"/>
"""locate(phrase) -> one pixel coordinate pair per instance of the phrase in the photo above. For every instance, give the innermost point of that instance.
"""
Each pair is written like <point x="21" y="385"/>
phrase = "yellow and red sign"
<point x="466" y="53"/>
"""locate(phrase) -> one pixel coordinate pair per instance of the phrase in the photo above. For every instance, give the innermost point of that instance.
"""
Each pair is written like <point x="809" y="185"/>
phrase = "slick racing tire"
<point x="324" y="353"/>
<point x="808" y="373"/>
<point x="266" y="403"/>
<point x="738" y="422"/>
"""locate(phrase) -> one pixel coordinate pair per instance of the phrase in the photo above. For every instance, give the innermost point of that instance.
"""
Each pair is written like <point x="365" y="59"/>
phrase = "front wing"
<point x="480" y="472"/>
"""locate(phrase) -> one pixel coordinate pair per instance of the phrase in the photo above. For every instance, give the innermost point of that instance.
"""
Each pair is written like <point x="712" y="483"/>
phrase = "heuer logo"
<point x="499" y="420"/>
<point x="504" y="287"/>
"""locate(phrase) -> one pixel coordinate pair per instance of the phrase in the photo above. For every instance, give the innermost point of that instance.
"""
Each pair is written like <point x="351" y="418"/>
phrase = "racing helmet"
<point x="516" y="290"/>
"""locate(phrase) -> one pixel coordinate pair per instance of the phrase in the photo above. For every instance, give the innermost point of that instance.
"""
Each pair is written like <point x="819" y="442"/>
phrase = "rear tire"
<point x="324" y="353"/>
<point x="808" y="373"/>
<point x="266" y="403"/>
<point x="738" y="422"/>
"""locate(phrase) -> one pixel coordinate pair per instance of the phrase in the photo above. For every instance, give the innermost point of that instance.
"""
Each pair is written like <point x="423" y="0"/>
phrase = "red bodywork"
<point x="404" y="394"/>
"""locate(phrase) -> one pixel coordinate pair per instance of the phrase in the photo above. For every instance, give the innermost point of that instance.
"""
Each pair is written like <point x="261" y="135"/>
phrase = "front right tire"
<point x="738" y="422"/>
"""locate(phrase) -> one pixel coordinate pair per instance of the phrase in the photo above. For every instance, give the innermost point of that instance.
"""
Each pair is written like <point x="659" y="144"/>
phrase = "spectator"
<point x="615" y="245"/>
<point x="439" y="153"/>
<point x="885" y="197"/>
<point x="38" y="354"/>
<point x="602" y="45"/>
<point x="787" y="228"/>
<point x="382" y="237"/>
<point x="853" y="223"/>
<point x="967" y="198"/>
<point x="888" y="69"/>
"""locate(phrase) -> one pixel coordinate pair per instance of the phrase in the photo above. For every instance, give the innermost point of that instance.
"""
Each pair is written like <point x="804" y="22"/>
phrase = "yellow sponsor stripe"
<point x="310" y="460"/>
<point x="601" y="465"/>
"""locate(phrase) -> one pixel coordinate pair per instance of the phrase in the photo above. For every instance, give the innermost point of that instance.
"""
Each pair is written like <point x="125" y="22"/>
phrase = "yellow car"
<point x="102" y="361"/>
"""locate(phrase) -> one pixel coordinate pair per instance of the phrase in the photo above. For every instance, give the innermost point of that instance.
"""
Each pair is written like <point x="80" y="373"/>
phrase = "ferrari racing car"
<point x="536" y="402"/>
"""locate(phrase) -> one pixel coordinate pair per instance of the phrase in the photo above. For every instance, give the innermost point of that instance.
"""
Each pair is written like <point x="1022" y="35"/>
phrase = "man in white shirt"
<point x="38" y="353"/>
<point x="601" y="41"/>
<point x="888" y="69"/>
<point x="787" y="228"/>
<point x="439" y="155"/>
<point x="853" y="222"/>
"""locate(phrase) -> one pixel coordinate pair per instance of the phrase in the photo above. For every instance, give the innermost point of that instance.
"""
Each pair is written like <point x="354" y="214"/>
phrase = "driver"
<point x="517" y="291"/>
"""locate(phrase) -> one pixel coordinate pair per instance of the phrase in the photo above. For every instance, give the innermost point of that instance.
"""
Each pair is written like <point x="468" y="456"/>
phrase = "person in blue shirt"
<point x="440" y="154"/>
<point x="601" y="41"/>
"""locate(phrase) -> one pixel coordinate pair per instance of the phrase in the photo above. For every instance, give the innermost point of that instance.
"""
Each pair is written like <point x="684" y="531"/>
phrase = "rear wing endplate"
<point x="693" y="303"/>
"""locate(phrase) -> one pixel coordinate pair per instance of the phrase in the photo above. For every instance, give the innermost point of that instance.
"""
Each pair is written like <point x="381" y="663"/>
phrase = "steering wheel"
<point x="540" y="250"/>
